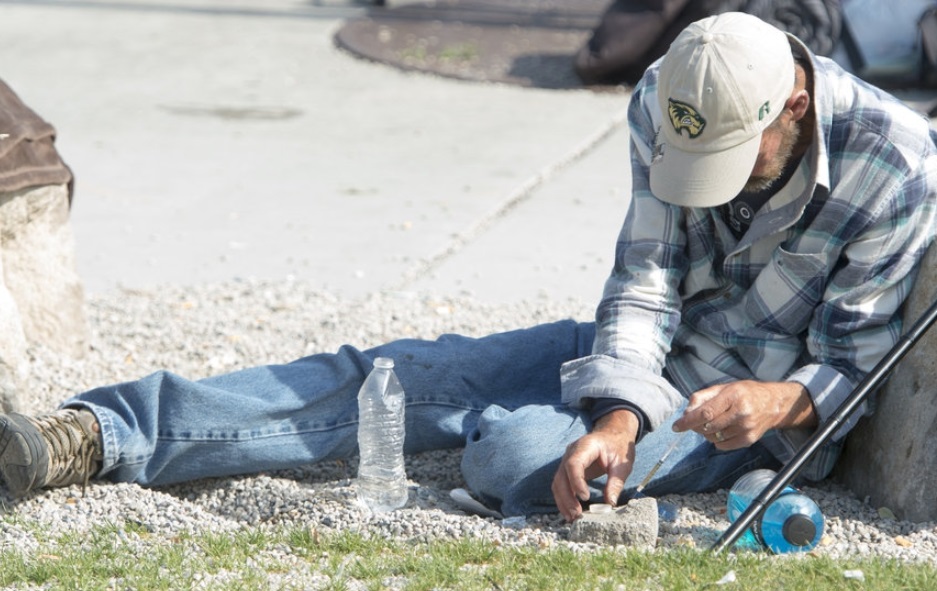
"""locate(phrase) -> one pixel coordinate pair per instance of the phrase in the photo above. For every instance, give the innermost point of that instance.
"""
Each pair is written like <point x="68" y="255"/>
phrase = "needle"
<point x="660" y="462"/>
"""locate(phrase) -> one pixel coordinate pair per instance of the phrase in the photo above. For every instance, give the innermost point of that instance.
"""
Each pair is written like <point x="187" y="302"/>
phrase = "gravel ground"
<point x="221" y="327"/>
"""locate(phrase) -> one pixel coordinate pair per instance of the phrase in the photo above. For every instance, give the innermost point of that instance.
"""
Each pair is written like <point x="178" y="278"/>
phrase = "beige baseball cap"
<point x="722" y="82"/>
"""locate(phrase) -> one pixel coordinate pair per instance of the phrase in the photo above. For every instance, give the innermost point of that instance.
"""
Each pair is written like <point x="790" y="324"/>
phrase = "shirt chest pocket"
<point x="786" y="292"/>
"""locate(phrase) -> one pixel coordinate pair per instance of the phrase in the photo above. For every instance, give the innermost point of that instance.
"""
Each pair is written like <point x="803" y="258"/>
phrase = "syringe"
<point x="660" y="462"/>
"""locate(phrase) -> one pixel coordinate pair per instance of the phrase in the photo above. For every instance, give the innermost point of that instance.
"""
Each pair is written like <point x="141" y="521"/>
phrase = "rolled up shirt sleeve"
<point x="640" y="306"/>
<point x="601" y="376"/>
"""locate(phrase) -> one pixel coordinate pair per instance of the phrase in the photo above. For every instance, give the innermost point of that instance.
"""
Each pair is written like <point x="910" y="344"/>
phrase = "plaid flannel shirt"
<point x="812" y="292"/>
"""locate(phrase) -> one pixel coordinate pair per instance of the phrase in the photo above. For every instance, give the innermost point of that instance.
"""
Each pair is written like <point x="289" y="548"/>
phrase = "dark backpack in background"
<point x="928" y="28"/>
<point x="632" y="34"/>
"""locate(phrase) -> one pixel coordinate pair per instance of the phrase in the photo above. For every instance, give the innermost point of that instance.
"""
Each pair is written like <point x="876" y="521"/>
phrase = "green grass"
<point x="127" y="557"/>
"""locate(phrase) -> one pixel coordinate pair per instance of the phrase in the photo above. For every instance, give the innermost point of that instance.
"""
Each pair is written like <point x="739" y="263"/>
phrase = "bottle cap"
<point x="384" y="363"/>
<point x="799" y="530"/>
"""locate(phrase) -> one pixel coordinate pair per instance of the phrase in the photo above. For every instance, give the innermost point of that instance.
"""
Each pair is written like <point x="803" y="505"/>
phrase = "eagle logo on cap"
<point x="683" y="116"/>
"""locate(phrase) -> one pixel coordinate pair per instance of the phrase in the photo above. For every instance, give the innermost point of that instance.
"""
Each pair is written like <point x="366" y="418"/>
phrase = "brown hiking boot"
<point x="55" y="449"/>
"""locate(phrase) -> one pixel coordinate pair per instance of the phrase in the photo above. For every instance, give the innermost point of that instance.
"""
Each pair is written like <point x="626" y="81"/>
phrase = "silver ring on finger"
<point x="719" y="436"/>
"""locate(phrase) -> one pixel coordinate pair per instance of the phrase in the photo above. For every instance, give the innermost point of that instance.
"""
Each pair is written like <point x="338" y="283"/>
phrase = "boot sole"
<point x="23" y="455"/>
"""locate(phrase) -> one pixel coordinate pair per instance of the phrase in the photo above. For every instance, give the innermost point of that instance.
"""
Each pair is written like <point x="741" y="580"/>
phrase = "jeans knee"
<point x="511" y="456"/>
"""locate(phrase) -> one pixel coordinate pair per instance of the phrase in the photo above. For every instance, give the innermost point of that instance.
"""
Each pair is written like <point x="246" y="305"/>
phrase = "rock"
<point x="41" y="296"/>
<point x="891" y="457"/>
<point x="14" y="363"/>
<point x="634" y="525"/>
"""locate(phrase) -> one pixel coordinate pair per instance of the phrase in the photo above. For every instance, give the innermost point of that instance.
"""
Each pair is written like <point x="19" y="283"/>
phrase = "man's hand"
<point x="737" y="414"/>
<point x="608" y="449"/>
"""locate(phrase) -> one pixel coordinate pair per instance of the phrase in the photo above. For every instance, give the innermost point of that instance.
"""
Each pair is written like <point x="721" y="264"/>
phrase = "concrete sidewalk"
<point x="214" y="139"/>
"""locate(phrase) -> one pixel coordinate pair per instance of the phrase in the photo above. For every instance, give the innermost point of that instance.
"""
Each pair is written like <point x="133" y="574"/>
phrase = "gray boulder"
<point x="41" y="296"/>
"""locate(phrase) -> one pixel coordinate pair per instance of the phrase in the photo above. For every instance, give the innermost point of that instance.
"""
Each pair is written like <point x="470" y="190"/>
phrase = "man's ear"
<point x="798" y="104"/>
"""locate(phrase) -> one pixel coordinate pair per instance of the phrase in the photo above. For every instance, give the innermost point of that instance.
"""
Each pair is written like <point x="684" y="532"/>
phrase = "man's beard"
<point x="775" y="169"/>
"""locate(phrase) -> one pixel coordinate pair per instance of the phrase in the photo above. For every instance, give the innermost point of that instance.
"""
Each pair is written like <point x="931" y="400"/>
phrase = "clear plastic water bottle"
<point x="382" y="479"/>
<point x="792" y="523"/>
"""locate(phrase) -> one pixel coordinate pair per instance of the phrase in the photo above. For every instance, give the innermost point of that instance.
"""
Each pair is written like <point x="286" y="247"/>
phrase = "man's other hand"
<point x="608" y="449"/>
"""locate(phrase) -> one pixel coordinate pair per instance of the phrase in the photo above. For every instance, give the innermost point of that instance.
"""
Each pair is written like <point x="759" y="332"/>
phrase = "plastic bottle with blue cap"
<point x="792" y="523"/>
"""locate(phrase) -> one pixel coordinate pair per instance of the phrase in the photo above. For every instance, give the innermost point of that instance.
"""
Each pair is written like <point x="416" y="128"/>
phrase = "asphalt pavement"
<point x="216" y="139"/>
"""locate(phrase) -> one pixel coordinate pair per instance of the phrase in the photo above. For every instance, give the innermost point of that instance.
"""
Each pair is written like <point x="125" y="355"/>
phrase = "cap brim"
<point x="703" y="179"/>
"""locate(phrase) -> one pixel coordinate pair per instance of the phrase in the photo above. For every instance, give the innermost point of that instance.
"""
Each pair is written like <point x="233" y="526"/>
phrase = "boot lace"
<point x="73" y="448"/>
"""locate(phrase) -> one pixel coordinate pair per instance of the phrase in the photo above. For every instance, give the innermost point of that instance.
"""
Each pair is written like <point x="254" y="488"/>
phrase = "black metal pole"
<point x="786" y="475"/>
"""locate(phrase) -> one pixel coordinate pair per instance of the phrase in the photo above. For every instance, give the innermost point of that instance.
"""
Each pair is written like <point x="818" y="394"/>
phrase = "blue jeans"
<point x="497" y="396"/>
